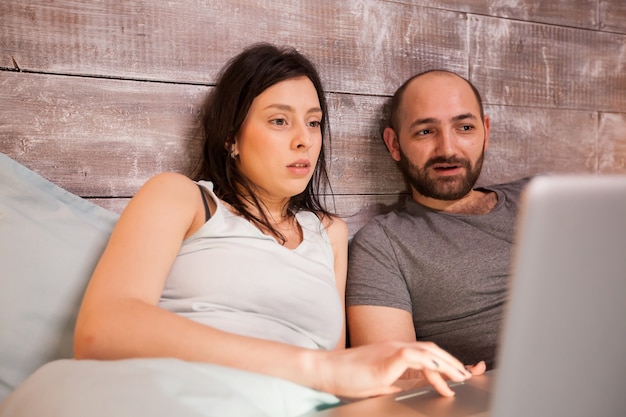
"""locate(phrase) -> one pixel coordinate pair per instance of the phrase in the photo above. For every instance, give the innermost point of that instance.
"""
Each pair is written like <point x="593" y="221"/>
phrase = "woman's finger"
<point x="478" y="369"/>
<point x="438" y="382"/>
<point x="448" y="364"/>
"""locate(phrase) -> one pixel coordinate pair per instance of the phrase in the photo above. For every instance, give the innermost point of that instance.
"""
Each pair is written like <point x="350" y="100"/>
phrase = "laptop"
<point x="563" y="346"/>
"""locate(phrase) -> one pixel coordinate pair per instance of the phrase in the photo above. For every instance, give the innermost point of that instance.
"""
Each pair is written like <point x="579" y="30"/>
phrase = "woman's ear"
<point x="391" y="140"/>
<point x="231" y="147"/>
<point x="234" y="153"/>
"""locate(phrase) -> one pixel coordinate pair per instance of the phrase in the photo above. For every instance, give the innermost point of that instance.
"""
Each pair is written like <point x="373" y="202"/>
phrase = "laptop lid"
<point x="563" y="348"/>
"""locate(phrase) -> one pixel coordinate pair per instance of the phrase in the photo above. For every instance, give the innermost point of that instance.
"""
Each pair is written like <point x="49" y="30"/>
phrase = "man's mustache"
<point x="449" y="161"/>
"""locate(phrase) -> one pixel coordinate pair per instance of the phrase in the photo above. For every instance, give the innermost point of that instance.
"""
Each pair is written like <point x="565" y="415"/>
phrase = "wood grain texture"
<point x="537" y="65"/>
<point x="360" y="162"/>
<point x="360" y="47"/>
<point x="575" y="13"/>
<point x="612" y="144"/>
<point x="526" y="142"/>
<point x="97" y="137"/>
<point x="613" y="15"/>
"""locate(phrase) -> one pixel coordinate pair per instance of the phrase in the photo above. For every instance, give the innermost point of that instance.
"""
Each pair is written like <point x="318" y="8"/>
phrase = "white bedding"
<point x="156" y="388"/>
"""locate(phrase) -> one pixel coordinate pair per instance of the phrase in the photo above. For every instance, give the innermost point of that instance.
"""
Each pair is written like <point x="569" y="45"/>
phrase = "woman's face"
<point x="280" y="139"/>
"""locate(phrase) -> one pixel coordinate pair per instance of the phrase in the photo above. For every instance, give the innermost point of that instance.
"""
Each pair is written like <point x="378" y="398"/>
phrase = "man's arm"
<point x="369" y="324"/>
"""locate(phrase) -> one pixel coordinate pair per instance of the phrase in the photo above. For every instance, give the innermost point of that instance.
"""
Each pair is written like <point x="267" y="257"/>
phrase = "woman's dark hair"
<point x="245" y="77"/>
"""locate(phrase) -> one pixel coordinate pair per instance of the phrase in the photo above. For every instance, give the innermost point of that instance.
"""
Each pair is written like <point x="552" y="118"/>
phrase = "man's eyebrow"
<point x="423" y="121"/>
<point x="464" y="117"/>
<point x="428" y="120"/>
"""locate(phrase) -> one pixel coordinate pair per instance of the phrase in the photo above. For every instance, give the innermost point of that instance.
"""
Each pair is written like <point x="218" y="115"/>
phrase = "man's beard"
<point x="438" y="187"/>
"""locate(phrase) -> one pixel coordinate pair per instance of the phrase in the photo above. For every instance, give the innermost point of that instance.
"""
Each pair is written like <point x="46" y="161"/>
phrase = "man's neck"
<point x="475" y="202"/>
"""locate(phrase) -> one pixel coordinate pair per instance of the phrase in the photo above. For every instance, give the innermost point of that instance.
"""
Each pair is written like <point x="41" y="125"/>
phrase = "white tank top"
<point x="231" y="276"/>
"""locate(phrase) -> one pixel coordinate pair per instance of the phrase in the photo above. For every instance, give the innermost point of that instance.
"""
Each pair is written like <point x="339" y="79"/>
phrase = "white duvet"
<point x="156" y="388"/>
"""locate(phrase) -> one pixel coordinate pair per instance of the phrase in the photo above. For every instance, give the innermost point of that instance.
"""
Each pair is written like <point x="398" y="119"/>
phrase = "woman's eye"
<point x="278" y="122"/>
<point x="315" y="124"/>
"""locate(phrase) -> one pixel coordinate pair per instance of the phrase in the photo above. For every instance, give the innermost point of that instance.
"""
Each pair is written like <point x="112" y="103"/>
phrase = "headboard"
<point x="99" y="96"/>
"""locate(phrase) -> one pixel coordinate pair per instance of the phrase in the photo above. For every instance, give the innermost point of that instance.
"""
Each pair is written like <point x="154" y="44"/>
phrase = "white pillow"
<point x="50" y="241"/>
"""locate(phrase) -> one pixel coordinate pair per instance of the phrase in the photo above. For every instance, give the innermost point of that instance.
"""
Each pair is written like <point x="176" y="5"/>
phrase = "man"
<point x="437" y="269"/>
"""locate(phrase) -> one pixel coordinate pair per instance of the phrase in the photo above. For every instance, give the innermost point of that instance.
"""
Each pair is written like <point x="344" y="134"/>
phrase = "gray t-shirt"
<point x="450" y="270"/>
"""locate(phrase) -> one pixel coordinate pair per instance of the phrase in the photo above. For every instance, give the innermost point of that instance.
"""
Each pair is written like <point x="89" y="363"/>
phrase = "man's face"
<point x="441" y="138"/>
<point x="427" y="180"/>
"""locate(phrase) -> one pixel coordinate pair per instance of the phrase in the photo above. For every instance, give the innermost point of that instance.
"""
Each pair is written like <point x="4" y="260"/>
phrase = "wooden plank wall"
<point x="98" y="96"/>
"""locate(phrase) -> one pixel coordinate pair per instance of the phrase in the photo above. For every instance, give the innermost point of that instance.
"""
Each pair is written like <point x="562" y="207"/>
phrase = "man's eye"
<point x="423" y="132"/>
<point x="467" y="128"/>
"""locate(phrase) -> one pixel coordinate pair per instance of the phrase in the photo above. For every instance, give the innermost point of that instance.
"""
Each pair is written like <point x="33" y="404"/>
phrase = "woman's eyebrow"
<point x="288" y="108"/>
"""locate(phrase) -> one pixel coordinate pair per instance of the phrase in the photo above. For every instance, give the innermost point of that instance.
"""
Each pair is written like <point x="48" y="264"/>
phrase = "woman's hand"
<point x="373" y="369"/>
<point x="412" y="378"/>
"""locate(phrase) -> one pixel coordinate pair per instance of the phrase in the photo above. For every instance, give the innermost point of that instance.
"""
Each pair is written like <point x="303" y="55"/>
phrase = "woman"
<point x="244" y="268"/>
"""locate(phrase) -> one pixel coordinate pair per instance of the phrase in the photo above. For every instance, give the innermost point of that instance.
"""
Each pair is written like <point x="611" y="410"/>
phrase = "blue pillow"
<point x="50" y="242"/>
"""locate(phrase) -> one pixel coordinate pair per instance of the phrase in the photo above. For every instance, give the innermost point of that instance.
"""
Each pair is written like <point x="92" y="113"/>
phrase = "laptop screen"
<point x="563" y="351"/>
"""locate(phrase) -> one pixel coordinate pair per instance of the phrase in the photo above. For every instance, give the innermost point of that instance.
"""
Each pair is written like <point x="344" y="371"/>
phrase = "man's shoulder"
<point x="514" y="187"/>
<point x="389" y="224"/>
<point x="377" y="224"/>
<point x="397" y="214"/>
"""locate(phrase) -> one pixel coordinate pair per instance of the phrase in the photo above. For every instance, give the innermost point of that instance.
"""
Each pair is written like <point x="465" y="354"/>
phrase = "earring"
<point x="233" y="154"/>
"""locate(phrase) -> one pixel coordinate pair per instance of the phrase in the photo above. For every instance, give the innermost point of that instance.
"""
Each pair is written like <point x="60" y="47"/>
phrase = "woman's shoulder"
<point x="336" y="227"/>
<point x="332" y="220"/>
<point x="168" y="198"/>
<point x="169" y="179"/>
<point x="167" y="189"/>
